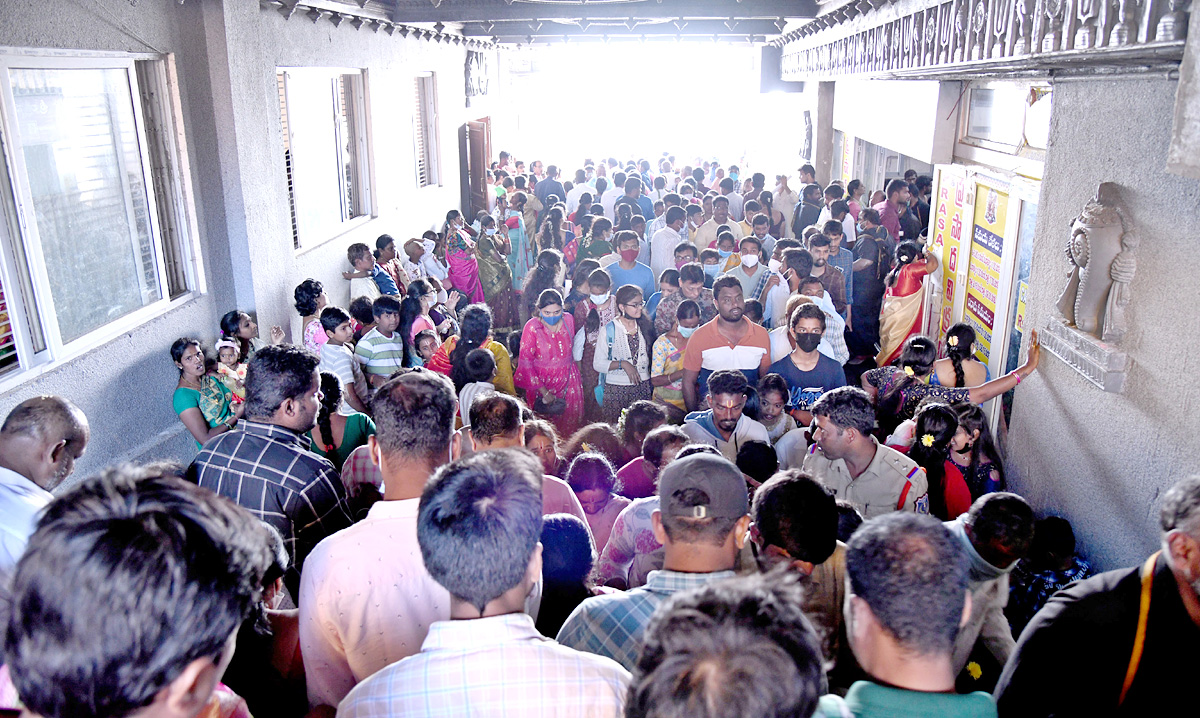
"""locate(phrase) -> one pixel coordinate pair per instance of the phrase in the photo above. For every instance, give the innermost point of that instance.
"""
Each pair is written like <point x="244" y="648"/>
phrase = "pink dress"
<point x="315" y="337"/>
<point x="420" y="324"/>
<point x="464" y="269"/>
<point x="546" y="362"/>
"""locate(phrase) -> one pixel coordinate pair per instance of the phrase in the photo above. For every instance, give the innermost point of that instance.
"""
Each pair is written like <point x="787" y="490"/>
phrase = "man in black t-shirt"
<point x="872" y="261"/>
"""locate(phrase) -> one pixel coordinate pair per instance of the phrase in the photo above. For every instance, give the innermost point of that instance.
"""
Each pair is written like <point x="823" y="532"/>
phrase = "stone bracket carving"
<point x="1099" y="362"/>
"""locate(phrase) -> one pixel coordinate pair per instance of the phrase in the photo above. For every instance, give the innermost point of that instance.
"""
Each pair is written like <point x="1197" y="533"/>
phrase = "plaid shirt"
<point x="269" y="471"/>
<point x="495" y="666"/>
<point x="612" y="625"/>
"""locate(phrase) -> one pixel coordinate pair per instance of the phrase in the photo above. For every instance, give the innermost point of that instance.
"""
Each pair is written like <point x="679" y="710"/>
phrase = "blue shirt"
<point x="805" y="387"/>
<point x="640" y="276"/>
<point x="652" y="305"/>
<point x="384" y="281"/>
<point x="612" y="625"/>
<point x="844" y="260"/>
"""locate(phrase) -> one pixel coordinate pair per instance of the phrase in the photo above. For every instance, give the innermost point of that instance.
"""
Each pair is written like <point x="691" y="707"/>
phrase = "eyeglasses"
<point x="636" y="305"/>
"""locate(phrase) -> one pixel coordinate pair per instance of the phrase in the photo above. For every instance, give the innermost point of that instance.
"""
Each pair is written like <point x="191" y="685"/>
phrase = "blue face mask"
<point x="711" y="269"/>
<point x="552" y="320"/>
<point x="725" y="253"/>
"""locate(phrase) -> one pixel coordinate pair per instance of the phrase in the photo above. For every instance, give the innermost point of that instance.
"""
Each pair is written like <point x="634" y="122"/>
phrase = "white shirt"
<point x="736" y="202"/>
<point x="662" y="250"/>
<point x="364" y="287"/>
<point x="608" y="201"/>
<point x="21" y="501"/>
<point x="785" y="202"/>
<point x="433" y="267"/>
<point x="495" y="666"/>
<point x="848" y="226"/>
<point x="366" y="601"/>
<point x="337" y="359"/>
<point x="468" y="394"/>
<point x="747" y="429"/>
<point x="574" y="195"/>
<point x="707" y="233"/>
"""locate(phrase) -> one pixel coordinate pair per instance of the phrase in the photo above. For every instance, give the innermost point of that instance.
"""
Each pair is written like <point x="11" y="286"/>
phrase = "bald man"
<point x="39" y="443"/>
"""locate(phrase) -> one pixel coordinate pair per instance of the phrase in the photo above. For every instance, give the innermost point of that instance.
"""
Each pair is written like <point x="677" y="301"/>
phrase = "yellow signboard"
<point x="955" y="195"/>
<point x="983" y="272"/>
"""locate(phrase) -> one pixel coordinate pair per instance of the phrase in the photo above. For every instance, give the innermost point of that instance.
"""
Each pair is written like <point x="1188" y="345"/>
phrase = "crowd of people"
<point x="668" y="446"/>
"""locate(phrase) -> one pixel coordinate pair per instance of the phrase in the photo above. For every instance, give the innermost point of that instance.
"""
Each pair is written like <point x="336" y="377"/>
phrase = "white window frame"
<point x="306" y="239"/>
<point x="19" y="232"/>
<point x="426" y="125"/>
<point x="990" y="152"/>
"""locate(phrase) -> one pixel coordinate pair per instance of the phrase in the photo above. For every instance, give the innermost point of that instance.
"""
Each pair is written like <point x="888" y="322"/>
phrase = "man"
<point x="691" y="286"/>
<point x="908" y="597"/>
<point x="808" y="174"/>
<point x="1088" y="633"/>
<point x="840" y="257"/>
<point x="577" y="191"/>
<point x="538" y="170"/>
<point x="924" y="185"/>
<point x="707" y="233"/>
<point x="795" y="264"/>
<point x="725" y="426"/>
<point x="872" y="262"/>
<point x="735" y="200"/>
<point x="628" y="270"/>
<point x="608" y="199"/>
<point x="808" y="211"/>
<point x="366" y="600"/>
<point x="265" y="465"/>
<point x="549" y="185"/>
<point x="633" y="196"/>
<point x="701" y="523"/>
<point x="381" y="350"/>
<point x="833" y="342"/>
<point x="794" y="525"/>
<point x="848" y="459"/>
<point x="831" y="278"/>
<point x="40" y="442"/>
<point x="731" y="341"/>
<point x="478" y="525"/>
<point x="836" y="207"/>
<point x="994" y="534"/>
<point x="750" y="270"/>
<point x="740" y="647"/>
<point x="496" y="424"/>
<point x="785" y="200"/>
<point x="669" y="200"/>
<point x="129" y="598"/>
<point x="889" y="210"/>
<point x="664" y="242"/>
<point x="760" y="229"/>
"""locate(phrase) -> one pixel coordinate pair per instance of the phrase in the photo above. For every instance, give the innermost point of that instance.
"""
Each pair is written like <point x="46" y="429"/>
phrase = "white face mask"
<point x="490" y="231"/>
<point x="441" y="296"/>
<point x="750" y="260"/>
<point x="599" y="299"/>
<point x="428" y="244"/>
<point x="774" y="265"/>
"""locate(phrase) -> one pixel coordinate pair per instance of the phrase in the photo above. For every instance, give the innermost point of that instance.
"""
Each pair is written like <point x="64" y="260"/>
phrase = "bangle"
<point x="1017" y="375"/>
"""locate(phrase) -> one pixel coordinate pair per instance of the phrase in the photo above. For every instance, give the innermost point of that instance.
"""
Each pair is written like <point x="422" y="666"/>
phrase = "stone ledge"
<point x="1100" y="363"/>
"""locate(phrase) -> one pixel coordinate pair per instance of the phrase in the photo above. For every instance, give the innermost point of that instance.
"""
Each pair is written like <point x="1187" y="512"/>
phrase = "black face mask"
<point x="808" y="342"/>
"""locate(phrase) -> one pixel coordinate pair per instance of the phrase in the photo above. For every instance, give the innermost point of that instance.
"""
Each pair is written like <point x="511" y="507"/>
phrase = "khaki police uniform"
<point x="891" y="482"/>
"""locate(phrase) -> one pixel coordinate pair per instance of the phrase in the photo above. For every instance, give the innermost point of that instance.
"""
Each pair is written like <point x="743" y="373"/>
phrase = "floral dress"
<point x="632" y="552"/>
<point x="546" y="363"/>
<point x="666" y="358"/>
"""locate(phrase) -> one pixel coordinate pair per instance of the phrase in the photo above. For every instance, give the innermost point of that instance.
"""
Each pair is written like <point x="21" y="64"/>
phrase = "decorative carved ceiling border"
<point x="366" y="15"/>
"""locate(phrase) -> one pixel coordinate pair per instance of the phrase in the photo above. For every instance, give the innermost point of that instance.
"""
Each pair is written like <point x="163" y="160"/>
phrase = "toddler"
<point x="481" y="369"/>
<point x="230" y="371"/>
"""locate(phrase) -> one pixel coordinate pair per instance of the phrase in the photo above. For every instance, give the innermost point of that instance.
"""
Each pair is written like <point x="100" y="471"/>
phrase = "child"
<point x="338" y="359"/>
<point x="413" y="250"/>
<point x="360" y="313"/>
<point x="381" y="350"/>
<point x="239" y="327"/>
<point x="481" y="369"/>
<point x="753" y="311"/>
<point x="727" y="251"/>
<point x="773" y="394"/>
<point x="668" y="284"/>
<point x="362" y="283"/>
<point x="230" y="372"/>
<point x="710" y="259"/>
<point x="427" y="345"/>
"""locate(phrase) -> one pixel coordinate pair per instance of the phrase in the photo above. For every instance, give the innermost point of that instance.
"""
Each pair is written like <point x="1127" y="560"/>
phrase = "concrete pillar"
<point x="823" y="134"/>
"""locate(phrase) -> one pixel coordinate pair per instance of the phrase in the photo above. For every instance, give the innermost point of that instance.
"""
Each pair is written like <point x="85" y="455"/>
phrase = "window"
<point x="425" y="131"/>
<point x="98" y="224"/>
<point x="326" y="150"/>
<point x="1009" y="117"/>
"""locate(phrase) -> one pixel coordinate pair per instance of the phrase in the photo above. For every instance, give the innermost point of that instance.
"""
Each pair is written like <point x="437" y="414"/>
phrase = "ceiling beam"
<point x="425" y="11"/>
<point x="686" y="28"/>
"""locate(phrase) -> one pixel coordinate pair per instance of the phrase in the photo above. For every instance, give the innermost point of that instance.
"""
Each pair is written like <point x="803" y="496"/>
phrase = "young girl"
<point x="523" y="253"/>
<point x="551" y="235"/>
<point x="593" y="480"/>
<point x="336" y="435"/>
<point x="600" y="309"/>
<point x="460" y="252"/>
<point x="597" y="243"/>
<point x="579" y="285"/>
<point x="310" y="300"/>
<point x="543" y="276"/>
<point x="239" y="327"/>
<point x="546" y="370"/>
<point x="666" y="361"/>
<point x="230" y="372"/>
<point x="414" y="318"/>
<point x="935" y="429"/>
<point x="622" y="354"/>
<point x="773" y="396"/>
<point x="974" y="452"/>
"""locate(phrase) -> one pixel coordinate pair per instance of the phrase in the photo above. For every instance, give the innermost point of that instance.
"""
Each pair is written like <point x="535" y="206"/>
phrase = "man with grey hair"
<point x="1125" y="640"/>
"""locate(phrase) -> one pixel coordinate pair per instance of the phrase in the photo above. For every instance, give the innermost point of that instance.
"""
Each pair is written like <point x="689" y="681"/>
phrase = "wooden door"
<point x="479" y="149"/>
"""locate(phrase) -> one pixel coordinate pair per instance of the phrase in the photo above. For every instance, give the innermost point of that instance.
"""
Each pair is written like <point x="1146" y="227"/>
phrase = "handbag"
<point x="610" y="334"/>
<point x="554" y="408"/>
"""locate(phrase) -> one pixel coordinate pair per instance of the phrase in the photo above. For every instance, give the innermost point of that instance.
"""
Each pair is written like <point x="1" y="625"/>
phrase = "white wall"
<point x="913" y="117"/>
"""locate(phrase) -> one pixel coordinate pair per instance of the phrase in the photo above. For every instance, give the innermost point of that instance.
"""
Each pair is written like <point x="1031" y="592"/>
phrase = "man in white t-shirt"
<point x="665" y="240"/>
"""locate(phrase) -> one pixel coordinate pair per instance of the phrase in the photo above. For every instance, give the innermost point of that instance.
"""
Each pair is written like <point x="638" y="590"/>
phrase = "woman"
<point x="974" y="452"/>
<point x="778" y="221"/>
<point x="593" y="480"/>
<point x="523" y="253"/>
<point x="546" y="370"/>
<point x="599" y="437"/>
<point x="542" y="440"/>
<point x="600" y="309"/>
<point x="638" y="420"/>
<point x="495" y="273"/>
<point x="666" y="360"/>
<point x="958" y="368"/>
<point x="579" y="285"/>
<point x="238" y="326"/>
<point x="197" y="389"/>
<point x="388" y="258"/>
<point x="336" y="435"/>
<point x="310" y="300"/>
<point x="900" y="317"/>
<point x="854" y="193"/>
<point x="475" y="332"/>
<point x="622" y="355"/>
<point x="598" y="242"/>
<point x="567" y="558"/>
<point x="544" y="275"/>
<point x="639" y="477"/>
<point x="551" y="235"/>
<point x="936" y="427"/>
<point x="414" y="318"/>
<point x="897" y="390"/>
<point x="584" y="209"/>
<point x="460" y="254"/>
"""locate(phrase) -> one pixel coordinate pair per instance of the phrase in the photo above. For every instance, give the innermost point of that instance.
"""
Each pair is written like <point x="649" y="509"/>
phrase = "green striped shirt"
<point x="379" y="354"/>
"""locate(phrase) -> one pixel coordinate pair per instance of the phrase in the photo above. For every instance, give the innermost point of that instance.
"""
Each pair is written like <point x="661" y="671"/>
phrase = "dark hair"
<point x="306" y="296"/>
<point x="797" y="513"/>
<point x="733" y="648"/>
<point x="479" y="521"/>
<point x="670" y="276"/>
<point x="358" y="250"/>
<point x="971" y="419"/>
<point x="475" y="324"/>
<point x="960" y="349"/>
<point x="832" y="227"/>
<point x="177" y="568"/>
<point x="180" y="345"/>
<point x="853" y="185"/>
<point x="549" y="298"/>
<point x="494" y="416"/>
<point x="597" y="437"/>
<point x="847" y="407"/>
<point x="918" y="354"/>
<point x="480" y="365"/>
<point x="333" y="317"/>
<point x="691" y="272"/>
<point x="583" y="268"/>
<point x="798" y="260"/>
<point x="360" y="308"/>
<point x="626" y="293"/>
<point x="906" y="253"/>
<point x="774" y="383"/>
<point x="687" y="309"/>
<point x="230" y="324"/>
<point x="592" y="322"/>
<point x="727" y="381"/>
<point x="1052" y="536"/>
<point x="757" y="460"/>
<point x="550" y="236"/>
<point x="566" y="550"/>
<point x="1003" y="517"/>
<point x="692" y="449"/>
<point x="869" y="214"/>
<point x="591" y="471"/>
<point x="331" y="398"/>
<point x="819" y="240"/>
<point x="808" y="310"/>
<point x="849" y="519"/>
<point x="753" y="310"/>
<point x="276" y="374"/>
<point x="410" y="309"/>
<point x="675" y="213"/>
<point x="913" y="574"/>
<point x="384" y="305"/>
<point x="544" y="276"/>
<point x="939" y="422"/>
<point x="639" y="419"/>
<point x="658" y="439"/>
<point x="414" y="416"/>
<point x="895" y="186"/>
<point x="727" y="281"/>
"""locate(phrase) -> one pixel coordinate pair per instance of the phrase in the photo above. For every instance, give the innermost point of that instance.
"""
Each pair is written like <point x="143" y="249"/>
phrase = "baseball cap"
<point x="715" y="476"/>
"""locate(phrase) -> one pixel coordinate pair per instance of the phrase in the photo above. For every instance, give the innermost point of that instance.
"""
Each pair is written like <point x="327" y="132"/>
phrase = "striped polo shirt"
<point x="379" y="354"/>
